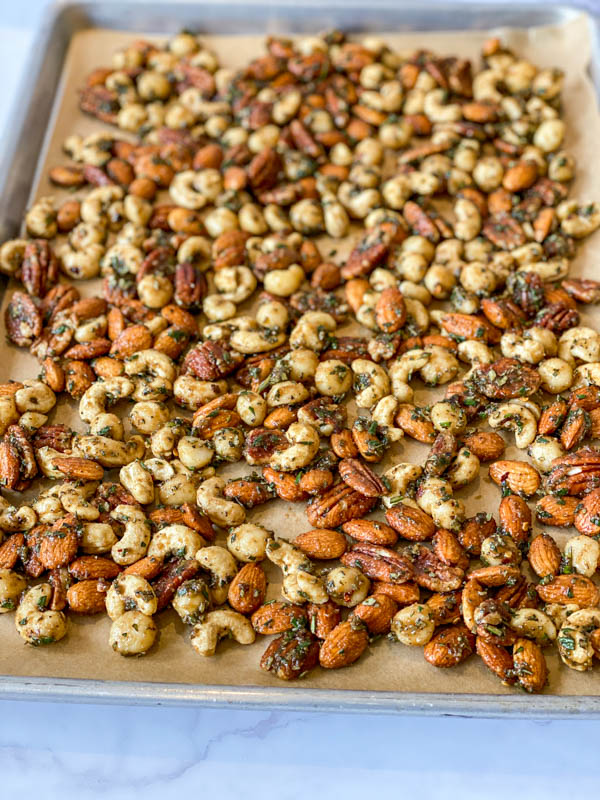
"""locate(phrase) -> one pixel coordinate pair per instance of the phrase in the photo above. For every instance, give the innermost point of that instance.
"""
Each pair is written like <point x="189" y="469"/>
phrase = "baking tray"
<point x="25" y="142"/>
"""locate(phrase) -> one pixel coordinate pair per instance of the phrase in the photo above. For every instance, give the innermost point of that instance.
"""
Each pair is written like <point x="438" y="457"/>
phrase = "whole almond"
<point x="475" y="530"/>
<point x="449" y="550"/>
<point x="515" y="517"/>
<point x="414" y="423"/>
<point x="323" y="618"/>
<point x="9" y="550"/>
<point x="498" y="575"/>
<point x="410" y="523"/>
<point x="277" y="617"/>
<point x="486" y="446"/>
<point x="322" y="543"/>
<point x="89" y="567"/>
<point x="79" y="469"/>
<point x="131" y="340"/>
<point x="248" y="589"/>
<point x="58" y="548"/>
<point x="291" y="655"/>
<point x="370" y="530"/>
<point x="530" y="666"/>
<point x="445" y="607"/>
<point x="519" y="476"/>
<point x="565" y="589"/>
<point x="521" y="176"/>
<point x="148" y="567"/>
<point x="344" y="645"/>
<point x="390" y="311"/>
<point x="496" y="658"/>
<point x="552" y="418"/>
<point x="544" y="556"/>
<point x="450" y="646"/>
<point x="343" y="444"/>
<point x="87" y="597"/>
<point x="587" y="517"/>
<point x="376" y="612"/>
<point x="403" y="594"/>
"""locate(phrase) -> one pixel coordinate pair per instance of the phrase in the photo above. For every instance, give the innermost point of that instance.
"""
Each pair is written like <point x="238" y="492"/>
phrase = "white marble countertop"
<point x="112" y="751"/>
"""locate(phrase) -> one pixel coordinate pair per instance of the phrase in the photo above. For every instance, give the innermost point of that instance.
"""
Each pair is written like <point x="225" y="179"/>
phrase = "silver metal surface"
<point x="31" y="118"/>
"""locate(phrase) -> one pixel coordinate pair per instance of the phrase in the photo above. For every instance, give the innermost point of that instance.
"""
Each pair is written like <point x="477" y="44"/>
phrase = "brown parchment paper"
<point x="84" y="652"/>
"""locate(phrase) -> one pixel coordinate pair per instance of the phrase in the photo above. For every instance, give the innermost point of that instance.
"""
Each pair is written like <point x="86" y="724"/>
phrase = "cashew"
<point x="579" y="343"/>
<point x="34" y="623"/>
<point x="132" y="634"/>
<point x="192" y="393"/>
<point x="102" y="393"/>
<point x="177" y="490"/>
<point x="192" y="601"/>
<point x="11" y="586"/>
<point x="138" y="482"/>
<point x="468" y="220"/>
<point x="448" y="417"/>
<point x="441" y="366"/>
<point x="221" y="566"/>
<point x="218" y="624"/>
<point x="151" y="362"/>
<point x="371" y="382"/>
<point x="149" y="416"/>
<point x="11" y="256"/>
<point x="531" y="346"/>
<point x="108" y="452"/>
<point x="516" y="417"/>
<point x="287" y="557"/>
<point x="347" y="586"/>
<point x="41" y="219"/>
<point x="8" y="412"/>
<point x="383" y="414"/>
<point x="464" y="469"/>
<point x="184" y="192"/>
<point x="248" y="542"/>
<point x="74" y="498"/>
<point x="435" y="498"/>
<point x="533" y="624"/>
<point x="224" y="513"/>
<point x="556" y="375"/>
<point x="583" y="552"/>
<point x="414" y="625"/>
<point x="130" y="593"/>
<point x="574" y="645"/>
<point x="135" y="540"/>
<point x="400" y="478"/>
<point x="178" y="540"/>
<point x="543" y="450"/>
<point x="96" y="537"/>
<point x="235" y="283"/>
<point x="311" y="331"/>
<point x="257" y="341"/>
<point x="286" y="393"/>
<point x="304" y="446"/>
<point x="401" y="370"/>
<point x="301" y="587"/>
<point x="35" y="396"/>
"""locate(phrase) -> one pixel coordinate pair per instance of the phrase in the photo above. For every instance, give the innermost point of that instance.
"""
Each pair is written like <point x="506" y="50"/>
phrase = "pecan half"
<point x="23" y="320"/>
<point x="361" y="478"/>
<point x="210" y="361"/>
<point x="379" y="563"/>
<point x="339" y="504"/>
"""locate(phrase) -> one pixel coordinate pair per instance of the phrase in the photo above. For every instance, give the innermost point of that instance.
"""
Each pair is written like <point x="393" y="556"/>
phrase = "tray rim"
<point x="88" y="690"/>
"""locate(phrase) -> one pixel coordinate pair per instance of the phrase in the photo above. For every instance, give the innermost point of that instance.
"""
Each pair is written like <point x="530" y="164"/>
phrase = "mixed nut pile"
<point x="454" y="185"/>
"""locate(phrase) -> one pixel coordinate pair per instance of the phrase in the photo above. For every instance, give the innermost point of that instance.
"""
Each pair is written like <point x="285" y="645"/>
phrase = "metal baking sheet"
<point x="32" y="122"/>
